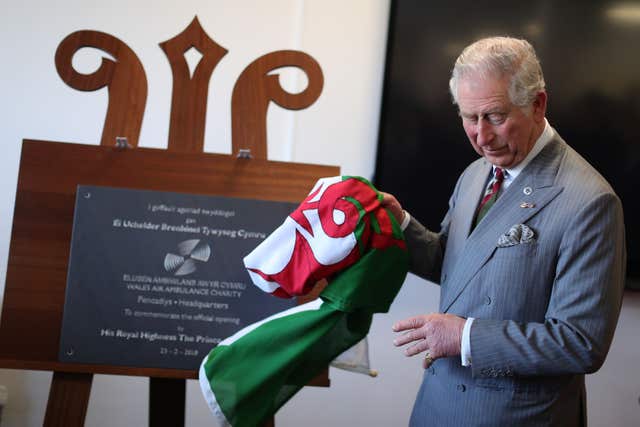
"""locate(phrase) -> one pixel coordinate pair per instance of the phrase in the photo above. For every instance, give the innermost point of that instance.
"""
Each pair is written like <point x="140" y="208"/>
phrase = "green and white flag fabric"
<point x="339" y="233"/>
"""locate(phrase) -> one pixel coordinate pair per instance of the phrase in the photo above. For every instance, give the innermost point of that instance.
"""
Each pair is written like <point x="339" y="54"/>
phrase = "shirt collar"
<point x="544" y="138"/>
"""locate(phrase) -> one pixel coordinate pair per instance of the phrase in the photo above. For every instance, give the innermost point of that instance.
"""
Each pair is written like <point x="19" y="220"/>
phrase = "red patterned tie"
<point x="491" y="195"/>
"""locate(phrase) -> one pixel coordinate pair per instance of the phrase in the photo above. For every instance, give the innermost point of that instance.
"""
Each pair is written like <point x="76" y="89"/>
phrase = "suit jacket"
<point x="545" y="310"/>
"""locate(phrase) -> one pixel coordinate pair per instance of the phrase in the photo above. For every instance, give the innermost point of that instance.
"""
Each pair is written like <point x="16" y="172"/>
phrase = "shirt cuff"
<point x="465" y="348"/>
<point x="405" y="220"/>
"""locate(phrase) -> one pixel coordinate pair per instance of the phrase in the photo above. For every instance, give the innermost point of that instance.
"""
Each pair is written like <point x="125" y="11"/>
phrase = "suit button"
<point x="487" y="300"/>
<point x="461" y="387"/>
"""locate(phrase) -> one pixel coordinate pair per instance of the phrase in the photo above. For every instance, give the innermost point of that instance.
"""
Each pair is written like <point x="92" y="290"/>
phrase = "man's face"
<point x="498" y="130"/>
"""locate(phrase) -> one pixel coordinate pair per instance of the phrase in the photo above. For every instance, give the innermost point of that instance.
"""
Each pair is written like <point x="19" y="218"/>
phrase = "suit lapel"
<point x="538" y="176"/>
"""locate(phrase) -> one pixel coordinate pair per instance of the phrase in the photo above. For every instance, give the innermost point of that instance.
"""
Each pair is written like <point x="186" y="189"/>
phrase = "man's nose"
<point x="485" y="133"/>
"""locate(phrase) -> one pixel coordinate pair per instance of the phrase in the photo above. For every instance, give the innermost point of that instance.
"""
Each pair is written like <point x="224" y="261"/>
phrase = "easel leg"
<point x="68" y="400"/>
<point x="166" y="402"/>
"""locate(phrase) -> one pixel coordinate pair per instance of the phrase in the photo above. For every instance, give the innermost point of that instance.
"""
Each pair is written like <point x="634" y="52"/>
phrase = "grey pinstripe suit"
<point x="545" y="311"/>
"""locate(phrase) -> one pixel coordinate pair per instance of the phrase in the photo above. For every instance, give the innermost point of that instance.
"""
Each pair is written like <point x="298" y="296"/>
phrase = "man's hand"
<point x="439" y="334"/>
<point x="391" y="203"/>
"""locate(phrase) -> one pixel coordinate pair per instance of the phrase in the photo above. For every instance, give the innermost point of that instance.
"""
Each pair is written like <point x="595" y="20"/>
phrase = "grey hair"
<point x="497" y="57"/>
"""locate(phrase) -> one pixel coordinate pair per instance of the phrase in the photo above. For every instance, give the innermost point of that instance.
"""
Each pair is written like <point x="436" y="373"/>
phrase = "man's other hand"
<point x="439" y="334"/>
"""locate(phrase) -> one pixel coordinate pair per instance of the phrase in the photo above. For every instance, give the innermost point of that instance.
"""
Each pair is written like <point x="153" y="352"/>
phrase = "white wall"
<point x="348" y="40"/>
<point x="613" y="397"/>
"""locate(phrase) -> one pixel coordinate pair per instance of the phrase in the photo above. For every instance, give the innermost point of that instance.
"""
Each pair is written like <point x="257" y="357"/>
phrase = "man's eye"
<point x="496" y="118"/>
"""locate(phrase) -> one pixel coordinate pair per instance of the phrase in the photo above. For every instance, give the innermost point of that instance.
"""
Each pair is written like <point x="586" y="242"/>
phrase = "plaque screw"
<point x="70" y="352"/>
<point x="87" y="195"/>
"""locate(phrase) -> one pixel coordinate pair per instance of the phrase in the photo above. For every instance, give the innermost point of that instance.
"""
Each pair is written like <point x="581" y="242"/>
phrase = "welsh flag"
<point x="341" y="234"/>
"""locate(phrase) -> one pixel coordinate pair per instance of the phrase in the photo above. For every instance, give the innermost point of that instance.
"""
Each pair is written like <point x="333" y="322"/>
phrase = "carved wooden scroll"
<point x="189" y="99"/>
<point x="256" y="88"/>
<point x="124" y="77"/>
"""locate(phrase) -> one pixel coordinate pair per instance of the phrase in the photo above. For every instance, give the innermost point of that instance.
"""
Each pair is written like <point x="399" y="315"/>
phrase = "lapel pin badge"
<point x="527" y="190"/>
<point x="527" y="205"/>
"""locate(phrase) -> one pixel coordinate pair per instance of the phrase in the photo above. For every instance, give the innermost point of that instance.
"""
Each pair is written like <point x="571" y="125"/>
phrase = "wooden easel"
<point x="50" y="172"/>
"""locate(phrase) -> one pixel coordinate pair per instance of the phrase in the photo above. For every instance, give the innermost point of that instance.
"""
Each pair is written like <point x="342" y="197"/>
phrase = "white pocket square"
<point x="516" y="235"/>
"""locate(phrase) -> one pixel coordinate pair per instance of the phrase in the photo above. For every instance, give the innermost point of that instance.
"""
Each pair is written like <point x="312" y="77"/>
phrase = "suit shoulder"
<point x="579" y="177"/>
<point x="473" y="167"/>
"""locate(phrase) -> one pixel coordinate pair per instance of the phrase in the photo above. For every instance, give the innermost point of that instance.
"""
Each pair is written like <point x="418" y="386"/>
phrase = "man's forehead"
<point x="477" y="106"/>
<point x="482" y="95"/>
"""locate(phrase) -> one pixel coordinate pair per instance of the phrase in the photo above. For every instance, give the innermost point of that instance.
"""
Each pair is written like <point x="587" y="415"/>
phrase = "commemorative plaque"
<point x="156" y="279"/>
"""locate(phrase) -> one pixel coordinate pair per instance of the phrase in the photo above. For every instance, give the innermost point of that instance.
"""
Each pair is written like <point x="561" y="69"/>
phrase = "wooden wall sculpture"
<point x="126" y="80"/>
<point x="50" y="172"/>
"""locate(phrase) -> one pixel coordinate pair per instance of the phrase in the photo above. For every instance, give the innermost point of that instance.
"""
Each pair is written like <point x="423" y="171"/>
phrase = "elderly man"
<point x="530" y="259"/>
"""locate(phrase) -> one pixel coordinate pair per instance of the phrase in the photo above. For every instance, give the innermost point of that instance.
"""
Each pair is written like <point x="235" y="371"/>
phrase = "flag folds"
<point x="339" y="233"/>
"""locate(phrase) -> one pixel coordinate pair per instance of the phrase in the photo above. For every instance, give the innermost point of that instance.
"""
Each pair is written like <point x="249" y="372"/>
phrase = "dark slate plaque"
<point x="156" y="279"/>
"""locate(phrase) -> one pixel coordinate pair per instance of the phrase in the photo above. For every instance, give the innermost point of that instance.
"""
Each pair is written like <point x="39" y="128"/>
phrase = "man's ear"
<point x="540" y="106"/>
